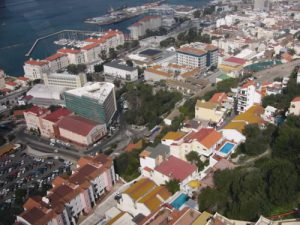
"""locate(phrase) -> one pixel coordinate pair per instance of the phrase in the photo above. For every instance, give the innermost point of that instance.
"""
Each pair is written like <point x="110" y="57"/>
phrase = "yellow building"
<point x="209" y="111"/>
<point x="251" y="116"/>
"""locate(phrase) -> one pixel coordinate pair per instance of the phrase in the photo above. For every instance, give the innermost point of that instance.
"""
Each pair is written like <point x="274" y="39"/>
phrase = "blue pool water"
<point x="227" y="148"/>
<point x="179" y="201"/>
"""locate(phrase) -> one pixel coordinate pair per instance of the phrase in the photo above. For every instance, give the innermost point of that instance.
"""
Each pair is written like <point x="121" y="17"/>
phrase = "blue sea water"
<point x="22" y="21"/>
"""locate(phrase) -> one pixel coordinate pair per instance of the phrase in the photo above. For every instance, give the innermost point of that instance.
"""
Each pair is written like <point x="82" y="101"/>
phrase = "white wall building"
<point x="198" y="55"/>
<point x="295" y="106"/>
<point x="33" y="69"/>
<point x="139" y="28"/>
<point x="247" y="96"/>
<point x="69" y="81"/>
<point x="121" y="71"/>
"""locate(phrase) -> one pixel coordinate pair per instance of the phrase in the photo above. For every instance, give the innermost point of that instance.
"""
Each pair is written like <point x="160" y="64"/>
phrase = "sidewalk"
<point x="98" y="213"/>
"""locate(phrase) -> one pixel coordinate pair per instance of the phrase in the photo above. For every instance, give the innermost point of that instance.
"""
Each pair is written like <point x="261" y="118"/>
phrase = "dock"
<point x="53" y="34"/>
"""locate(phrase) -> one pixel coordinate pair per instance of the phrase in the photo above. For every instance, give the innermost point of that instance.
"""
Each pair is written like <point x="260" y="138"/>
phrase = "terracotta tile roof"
<point x="57" y="115"/>
<point x="159" y="71"/>
<point x="37" y="216"/>
<point x="11" y="83"/>
<point x="297" y="99"/>
<point x="175" y="168"/>
<point x="236" y="60"/>
<point x="208" y="137"/>
<point x="172" y="135"/>
<point x="210" y="47"/>
<point x="218" y="97"/>
<point x="202" y="219"/>
<point x="193" y="51"/>
<point x="69" y="50"/>
<point x="23" y="78"/>
<point x="133" y="146"/>
<point x="58" y="181"/>
<point x="37" y="110"/>
<point x="36" y="62"/>
<point x="55" y="57"/>
<point x="90" y="46"/>
<point x="77" y="124"/>
<point x="248" y="84"/>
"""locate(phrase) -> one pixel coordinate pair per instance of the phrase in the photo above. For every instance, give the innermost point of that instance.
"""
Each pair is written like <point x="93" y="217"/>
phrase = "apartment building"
<point x="69" y="81"/>
<point x="198" y="55"/>
<point x="89" y="53"/>
<point x="33" y="69"/>
<point x="247" y="96"/>
<point x="72" y="197"/>
<point x="96" y="101"/>
<point x="139" y="28"/>
<point x="75" y="56"/>
<point x="57" y="62"/>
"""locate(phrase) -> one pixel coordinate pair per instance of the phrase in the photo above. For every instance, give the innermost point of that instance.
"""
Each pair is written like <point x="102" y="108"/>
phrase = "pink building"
<point x="33" y="117"/>
<point x="49" y="120"/>
<point x="79" y="130"/>
<point x="72" y="197"/>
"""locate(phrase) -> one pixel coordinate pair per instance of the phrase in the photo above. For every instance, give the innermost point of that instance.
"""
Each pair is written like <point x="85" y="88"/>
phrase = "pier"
<point x="53" y="34"/>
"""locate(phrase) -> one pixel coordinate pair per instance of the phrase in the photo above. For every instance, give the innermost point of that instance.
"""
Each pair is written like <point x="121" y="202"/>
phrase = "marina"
<point x="123" y="13"/>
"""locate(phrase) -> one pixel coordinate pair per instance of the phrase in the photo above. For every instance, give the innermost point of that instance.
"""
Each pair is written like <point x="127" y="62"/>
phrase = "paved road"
<point x="283" y="70"/>
<point x="109" y="202"/>
<point x="13" y="97"/>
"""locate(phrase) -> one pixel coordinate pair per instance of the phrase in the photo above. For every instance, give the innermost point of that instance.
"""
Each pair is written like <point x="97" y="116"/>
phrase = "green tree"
<point x="197" y="14"/>
<point x="129" y="63"/>
<point x="173" y="186"/>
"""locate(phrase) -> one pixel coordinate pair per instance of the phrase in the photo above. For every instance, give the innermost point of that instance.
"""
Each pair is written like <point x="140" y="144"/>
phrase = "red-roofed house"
<point x="236" y="60"/>
<point x="11" y="85"/>
<point x="204" y="142"/>
<point x="295" y="106"/>
<point x="48" y="121"/>
<point x="79" y="130"/>
<point x="33" y="69"/>
<point x="23" y="81"/>
<point x="174" y="169"/>
<point x="33" y="117"/>
<point x="218" y="98"/>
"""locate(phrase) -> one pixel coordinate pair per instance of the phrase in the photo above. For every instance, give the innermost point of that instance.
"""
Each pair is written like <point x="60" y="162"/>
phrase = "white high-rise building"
<point x="247" y="96"/>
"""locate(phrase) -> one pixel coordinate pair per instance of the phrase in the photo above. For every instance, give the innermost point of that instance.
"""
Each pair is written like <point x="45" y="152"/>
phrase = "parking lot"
<point x="18" y="170"/>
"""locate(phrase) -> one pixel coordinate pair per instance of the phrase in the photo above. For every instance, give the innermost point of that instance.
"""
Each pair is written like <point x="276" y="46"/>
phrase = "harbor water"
<point x="23" y="21"/>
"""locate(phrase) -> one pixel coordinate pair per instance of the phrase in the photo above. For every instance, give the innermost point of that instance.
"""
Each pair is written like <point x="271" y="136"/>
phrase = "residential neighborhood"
<point x="167" y="112"/>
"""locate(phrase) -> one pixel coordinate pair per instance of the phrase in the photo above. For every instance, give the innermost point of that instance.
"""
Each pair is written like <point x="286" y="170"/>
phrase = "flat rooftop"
<point x="150" y="52"/>
<point x="98" y="91"/>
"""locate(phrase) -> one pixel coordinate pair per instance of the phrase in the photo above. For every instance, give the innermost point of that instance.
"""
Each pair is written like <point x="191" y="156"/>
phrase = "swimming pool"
<point x="179" y="201"/>
<point x="226" y="148"/>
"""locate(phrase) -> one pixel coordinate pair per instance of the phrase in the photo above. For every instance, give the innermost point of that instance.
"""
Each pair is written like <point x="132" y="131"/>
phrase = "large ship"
<point x="122" y="13"/>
